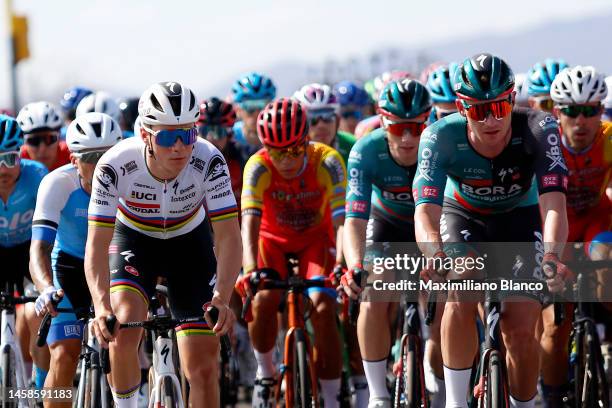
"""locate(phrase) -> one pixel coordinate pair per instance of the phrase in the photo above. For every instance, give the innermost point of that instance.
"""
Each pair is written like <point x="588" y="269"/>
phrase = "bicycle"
<point x="297" y="371"/>
<point x="164" y="386"/>
<point x="13" y="371"/>
<point x="590" y="386"/>
<point x="93" y="390"/>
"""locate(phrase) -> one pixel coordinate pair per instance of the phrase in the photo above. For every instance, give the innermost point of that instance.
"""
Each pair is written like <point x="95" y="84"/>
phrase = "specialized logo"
<point x="107" y="176"/>
<point x="481" y="59"/>
<point x="127" y="255"/>
<point x="492" y="319"/>
<point x="175" y="186"/>
<point x="165" y="351"/>
<point x="466" y="234"/>
<point x="216" y="168"/>
<point x="173" y="88"/>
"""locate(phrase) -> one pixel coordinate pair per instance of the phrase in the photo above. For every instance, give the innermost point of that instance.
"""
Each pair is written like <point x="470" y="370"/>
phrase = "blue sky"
<point x="125" y="45"/>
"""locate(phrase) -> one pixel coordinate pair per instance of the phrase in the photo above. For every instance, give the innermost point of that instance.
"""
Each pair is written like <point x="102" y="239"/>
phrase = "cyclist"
<point x="441" y="90"/>
<point x="59" y="233"/>
<point x="292" y="198"/>
<point x="128" y="108"/>
<point x="539" y="80"/>
<point x="251" y="93"/>
<point x="587" y="148"/>
<point x="41" y="123"/>
<point x="380" y="209"/>
<point x="69" y="103"/>
<point x="490" y="155"/>
<point x="353" y="100"/>
<point x="19" y="181"/>
<point x="149" y="191"/>
<point x="99" y="102"/>
<point x="215" y="125"/>
<point x="322" y="109"/>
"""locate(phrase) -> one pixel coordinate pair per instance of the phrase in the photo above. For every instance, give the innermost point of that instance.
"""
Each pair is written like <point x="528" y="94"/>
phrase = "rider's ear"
<point x="460" y="107"/>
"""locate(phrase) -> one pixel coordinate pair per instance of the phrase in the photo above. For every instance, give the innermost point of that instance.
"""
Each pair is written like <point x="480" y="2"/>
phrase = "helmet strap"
<point x="150" y="148"/>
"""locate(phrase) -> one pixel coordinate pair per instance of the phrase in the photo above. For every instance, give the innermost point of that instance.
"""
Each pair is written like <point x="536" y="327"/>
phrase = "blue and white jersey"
<point x="16" y="213"/>
<point x="61" y="212"/>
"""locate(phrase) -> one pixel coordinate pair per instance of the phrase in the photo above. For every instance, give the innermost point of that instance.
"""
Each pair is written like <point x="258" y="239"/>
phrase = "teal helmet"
<point x="483" y="77"/>
<point x="405" y="99"/>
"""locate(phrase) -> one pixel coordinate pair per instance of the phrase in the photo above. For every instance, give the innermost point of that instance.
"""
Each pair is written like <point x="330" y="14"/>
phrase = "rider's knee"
<point x="266" y="303"/>
<point x="199" y="371"/>
<point x="518" y="337"/>
<point x="65" y="354"/>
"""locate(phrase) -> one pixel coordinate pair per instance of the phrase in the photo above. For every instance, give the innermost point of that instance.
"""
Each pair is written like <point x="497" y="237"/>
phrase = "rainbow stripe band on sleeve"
<point x="223" y="213"/>
<point x="101" y="221"/>
<point x="193" y="329"/>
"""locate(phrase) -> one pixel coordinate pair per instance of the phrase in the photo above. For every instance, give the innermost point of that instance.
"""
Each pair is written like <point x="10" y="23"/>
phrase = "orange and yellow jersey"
<point x="297" y="208"/>
<point x="589" y="173"/>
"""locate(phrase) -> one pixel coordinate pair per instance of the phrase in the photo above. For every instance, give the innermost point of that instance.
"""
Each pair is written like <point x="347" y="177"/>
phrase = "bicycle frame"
<point x="8" y="345"/>
<point x="163" y="367"/>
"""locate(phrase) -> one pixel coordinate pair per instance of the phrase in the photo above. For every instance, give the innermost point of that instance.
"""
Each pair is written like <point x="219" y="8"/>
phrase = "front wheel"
<point x="497" y="392"/>
<point x="9" y="380"/>
<point x="302" y="386"/>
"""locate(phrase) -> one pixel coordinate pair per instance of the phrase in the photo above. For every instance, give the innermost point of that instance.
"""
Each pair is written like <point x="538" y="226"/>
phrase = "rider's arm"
<point x="97" y="270"/>
<point x="255" y="181"/>
<point x="332" y="173"/>
<point x="228" y="248"/>
<point x="40" y="264"/>
<point x="354" y="241"/>
<point x="609" y="190"/>
<point x="554" y="217"/>
<point x="427" y="228"/>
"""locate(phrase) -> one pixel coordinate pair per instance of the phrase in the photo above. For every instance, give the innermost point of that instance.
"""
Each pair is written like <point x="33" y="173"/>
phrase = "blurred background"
<point x="123" y="46"/>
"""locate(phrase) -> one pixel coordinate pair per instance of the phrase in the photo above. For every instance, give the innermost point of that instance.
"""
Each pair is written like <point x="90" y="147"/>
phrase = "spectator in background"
<point x="41" y="123"/>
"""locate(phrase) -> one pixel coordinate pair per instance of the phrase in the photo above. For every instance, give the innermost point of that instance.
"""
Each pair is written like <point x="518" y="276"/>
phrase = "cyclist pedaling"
<point x="577" y="94"/>
<point x="323" y="108"/>
<point x="251" y="93"/>
<point x="19" y="181"/>
<point x="149" y="191"/>
<point x="380" y="210"/>
<point x="292" y="200"/>
<point x="41" y="123"/>
<point x="473" y="185"/>
<point x="59" y="234"/>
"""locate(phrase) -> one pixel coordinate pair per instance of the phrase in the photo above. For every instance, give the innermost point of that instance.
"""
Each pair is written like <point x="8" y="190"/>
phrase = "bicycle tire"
<point x="596" y="384"/>
<point x="8" y="376"/>
<point x="168" y="397"/>
<point x="412" y="375"/>
<point x="400" y="386"/>
<point x="301" y="384"/>
<point x="496" y="389"/>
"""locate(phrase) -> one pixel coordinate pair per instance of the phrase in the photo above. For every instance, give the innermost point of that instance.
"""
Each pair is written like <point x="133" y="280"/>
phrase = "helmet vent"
<point x="97" y="128"/>
<point x="80" y="129"/>
<point x="156" y="104"/>
<point x="175" y="102"/>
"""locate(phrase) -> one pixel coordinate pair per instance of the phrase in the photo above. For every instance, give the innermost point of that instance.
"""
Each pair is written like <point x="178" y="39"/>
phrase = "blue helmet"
<point x="440" y="84"/>
<point x="253" y="86"/>
<point x="349" y="93"/>
<point x="72" y="97"/>
<point x="541" y="76"/>
<point x="11" y="136"/>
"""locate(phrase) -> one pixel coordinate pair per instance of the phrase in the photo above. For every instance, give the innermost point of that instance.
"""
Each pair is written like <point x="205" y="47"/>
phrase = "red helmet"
<point x="215" y="112"/>
<point x="282" y="123"/>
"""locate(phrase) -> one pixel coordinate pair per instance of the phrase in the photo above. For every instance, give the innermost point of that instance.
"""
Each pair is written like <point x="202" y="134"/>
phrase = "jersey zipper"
<point x="163" y="208"/>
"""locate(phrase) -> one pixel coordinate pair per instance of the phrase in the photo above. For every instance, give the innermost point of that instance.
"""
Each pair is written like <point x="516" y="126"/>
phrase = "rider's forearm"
<point x="40" y="264"/>
<point x="555" y="227"/>
<point x="97" y="273"/>
<point x="250" y="239"/>
<point x="229" y="250"/>
<point x="427" y="228"/>
<point x="354" y="241"/>
<point x="339" y="242"/>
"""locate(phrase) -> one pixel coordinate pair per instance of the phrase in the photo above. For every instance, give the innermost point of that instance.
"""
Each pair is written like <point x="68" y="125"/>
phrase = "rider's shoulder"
<point x="33" y="169"/>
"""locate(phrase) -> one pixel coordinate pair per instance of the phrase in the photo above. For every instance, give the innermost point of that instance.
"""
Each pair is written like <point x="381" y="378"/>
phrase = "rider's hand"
<point x="564" y="274"/>
<point x="349" y="282"/>
<point x="103" y="333"/>
<point x="431" y="271"/>
<point x="336" y="274"/>
<point x="226" y="319"/>
<point x="44" y="303"/>
<point x="243" y="285"/>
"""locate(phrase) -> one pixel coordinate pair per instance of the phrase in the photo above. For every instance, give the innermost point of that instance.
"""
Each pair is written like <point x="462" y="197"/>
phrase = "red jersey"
<point x="63" y="155"/>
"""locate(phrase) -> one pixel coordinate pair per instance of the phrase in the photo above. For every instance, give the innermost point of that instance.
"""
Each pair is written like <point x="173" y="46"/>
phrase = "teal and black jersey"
<point x="494" y="185"/>
<point x="375" y="179"/>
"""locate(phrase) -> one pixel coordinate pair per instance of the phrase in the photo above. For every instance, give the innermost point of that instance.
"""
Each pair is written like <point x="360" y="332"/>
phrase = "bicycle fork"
<point x="163" y="364"/>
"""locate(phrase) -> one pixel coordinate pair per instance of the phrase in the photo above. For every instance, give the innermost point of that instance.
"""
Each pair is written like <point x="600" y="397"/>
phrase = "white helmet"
<point x="316" y="96"/>
<point x="578" y="85"/>
<point x="608" y="101"/>
<point x="168" y="103"/>
<point x="99" y="102"/>
<point x="39" y="116"/>
<point x="92" y="131"/>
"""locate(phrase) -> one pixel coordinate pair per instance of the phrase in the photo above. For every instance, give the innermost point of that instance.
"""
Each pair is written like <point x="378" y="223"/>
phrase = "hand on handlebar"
<point x="351" y="281"/>
<point x="432" y="271"/>
<point x="48" y="300"/>
<point x="225" y="319"/>
<point x="556" y="272"/>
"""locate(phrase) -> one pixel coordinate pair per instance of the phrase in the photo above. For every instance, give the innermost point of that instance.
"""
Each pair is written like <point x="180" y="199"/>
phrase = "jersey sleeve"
<point x="433" y="160"/>
<point x="550" y="168"/>
<point x="332" y="173"/>
<point x="51" y="199"/>
<point x="220" y="198"/>
<point x="255" y="181"/>
<point x="104" y="194"/>
<point x="360" y="179"/>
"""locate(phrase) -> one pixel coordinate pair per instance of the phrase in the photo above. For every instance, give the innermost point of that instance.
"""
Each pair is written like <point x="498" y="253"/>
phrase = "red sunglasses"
<point x="398" y="129"/>
<point x="479" y="113"/>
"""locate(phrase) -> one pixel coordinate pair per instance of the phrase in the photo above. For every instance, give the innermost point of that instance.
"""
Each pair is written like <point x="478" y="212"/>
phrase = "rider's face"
<point x="172" y="159"/>
<point x="8" y="176"/>
<point x="580" y="131"/>
<point x="491" y="132"/>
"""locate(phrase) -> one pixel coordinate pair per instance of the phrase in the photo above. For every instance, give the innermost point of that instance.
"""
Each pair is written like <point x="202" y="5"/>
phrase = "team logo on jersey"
<point x="216" y="168"/>
<point x="107" y="176"/>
